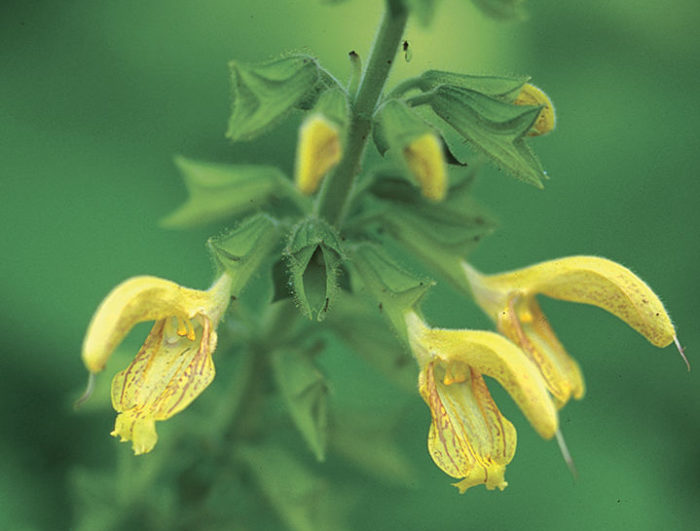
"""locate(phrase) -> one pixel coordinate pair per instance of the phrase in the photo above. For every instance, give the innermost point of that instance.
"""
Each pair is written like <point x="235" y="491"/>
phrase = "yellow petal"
<point x="600" y="282"/>
<point x="133" y="301"/>
<point x="525" y="325"/>
<point x="468" y="437"/>
<point x="546" y="120"/>
<point x="318" y="151"/>
<point x="138" y="427"/>
<point x="167" y="374"/>
<point x="426" y="161"/>
<point x="147" y="298"/>
<point x="493" y="355"/>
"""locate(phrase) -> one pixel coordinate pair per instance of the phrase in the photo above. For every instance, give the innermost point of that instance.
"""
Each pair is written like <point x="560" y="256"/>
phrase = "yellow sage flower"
<point x="425" y="159"/>
<point x="469" y="438"/>
<point x="318" y="151"/>
<point x="174" y="364"/>
<point x="509" y="299"/>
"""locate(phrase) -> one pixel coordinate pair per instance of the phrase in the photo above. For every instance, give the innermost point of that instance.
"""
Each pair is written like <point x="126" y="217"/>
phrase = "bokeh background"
<point x="96" y="98"/>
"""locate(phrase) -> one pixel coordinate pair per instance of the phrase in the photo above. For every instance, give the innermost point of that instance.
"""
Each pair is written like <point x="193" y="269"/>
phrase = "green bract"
<point x="314" y="255"/>
<point x="501" y="87"/>
<point x="222" y="191"/>
<point x="493" y="126"/>
<point x="305" y="392"/>
<point x="263" y="94"/>
<point x="436" y="233"/>
<point x="242" y="251"/>
<point x="395" y="289"/>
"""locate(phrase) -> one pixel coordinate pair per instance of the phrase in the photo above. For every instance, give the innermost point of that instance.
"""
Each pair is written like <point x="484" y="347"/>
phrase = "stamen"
<point x="566" y="455"/>
<point x="682" y="351"/>
<point x="87" y="393"/>
<point x="182" y="329"/>
<point x="190" y="330"/>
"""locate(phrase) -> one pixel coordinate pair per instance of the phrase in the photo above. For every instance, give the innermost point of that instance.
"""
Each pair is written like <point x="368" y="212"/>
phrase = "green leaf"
<point x="301" y="499"/>
<point x="220" y="191"/>
<point x="395" y="289"/>
<point x="241" y="251"/>
<point x="314" y="255"/>
<point x="440" y="235"/>
<point x="501" y="87"/>
<point x="504" y="9"/>
<point x="305" y="392"/>
<point x="495" y="127"/>
<point x="263" y="94"/>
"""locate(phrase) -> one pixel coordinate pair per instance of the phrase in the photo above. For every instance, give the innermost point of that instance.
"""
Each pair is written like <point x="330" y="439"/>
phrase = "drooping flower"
<point x="173" y="366"/>
<point x="469" y="438"/>
<point x="510" y="300"/>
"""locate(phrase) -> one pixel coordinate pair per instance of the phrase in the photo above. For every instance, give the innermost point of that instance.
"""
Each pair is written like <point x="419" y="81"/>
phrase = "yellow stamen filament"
<point x="185" y="328"/>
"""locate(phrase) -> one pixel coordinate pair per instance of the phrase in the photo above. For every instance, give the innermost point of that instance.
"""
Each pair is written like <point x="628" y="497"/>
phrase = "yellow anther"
<point x="182" y="328"/>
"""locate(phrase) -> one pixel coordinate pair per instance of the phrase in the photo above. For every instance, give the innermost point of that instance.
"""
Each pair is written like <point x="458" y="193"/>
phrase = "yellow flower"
<point x="469" y="438"/>
<point x="509" y="299"/>
<point x="426" y="161"/>
<point x="174" y="364"/>
<point x="318" y="151"/>
<point x="546" y="120"/>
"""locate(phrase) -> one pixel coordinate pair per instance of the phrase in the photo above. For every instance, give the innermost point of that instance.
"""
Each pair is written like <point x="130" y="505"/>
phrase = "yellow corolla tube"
<point x="318" y="151"/>
<point x="469" y="438"/>
<point x="426" y="161"/>
<point x="509" y="299"/>
<point x="173" y="366"/>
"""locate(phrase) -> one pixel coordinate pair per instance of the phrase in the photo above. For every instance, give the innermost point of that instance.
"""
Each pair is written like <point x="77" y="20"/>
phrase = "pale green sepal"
<point x="438" y="234"/>
<point x="302" y="500"/>
<point x="501" y="87"/>
<point x="242" y="250"/>
<point x="396" y="125"/>
<point x="504" y="9"/>
<point x="305" y="392"/>
<point x="333" y="105"/>
<point x="219" y="191"/>
<point x="395" y="289"/>
<point x="263" y="94"/>
<point x="495" y="127"/>
<point x="314" y="255"/>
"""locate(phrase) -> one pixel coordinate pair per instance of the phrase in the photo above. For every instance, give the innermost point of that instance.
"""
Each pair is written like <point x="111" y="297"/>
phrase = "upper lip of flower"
<point x="509" y="299"/>
<point x="147" y="298"/>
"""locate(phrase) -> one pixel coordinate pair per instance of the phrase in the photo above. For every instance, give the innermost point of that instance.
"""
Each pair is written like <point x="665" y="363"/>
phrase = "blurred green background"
<point x="96" y="98"/>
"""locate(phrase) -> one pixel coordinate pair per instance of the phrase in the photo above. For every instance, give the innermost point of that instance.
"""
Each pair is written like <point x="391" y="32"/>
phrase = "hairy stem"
<point x="336" y="191"/>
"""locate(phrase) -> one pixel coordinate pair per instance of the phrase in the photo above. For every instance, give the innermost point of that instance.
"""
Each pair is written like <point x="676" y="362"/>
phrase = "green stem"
<point x="336" y="191"/>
